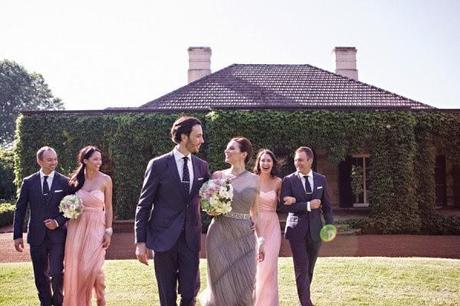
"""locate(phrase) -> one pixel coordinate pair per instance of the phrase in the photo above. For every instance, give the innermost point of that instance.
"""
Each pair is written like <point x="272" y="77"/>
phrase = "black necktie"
<point x="186" y="176"/>
<point x="307" y="185"/>
<point x="46" y="189"/>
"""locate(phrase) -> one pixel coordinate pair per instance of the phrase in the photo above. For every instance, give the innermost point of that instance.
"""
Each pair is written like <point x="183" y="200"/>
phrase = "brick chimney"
<point x="199" y="59"/>
<point x="345" y="62"/>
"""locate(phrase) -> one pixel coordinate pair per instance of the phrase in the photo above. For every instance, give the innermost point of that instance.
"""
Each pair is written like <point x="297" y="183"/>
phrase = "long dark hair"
<point x="78" y="177"/>
<point x="275" y="168"/>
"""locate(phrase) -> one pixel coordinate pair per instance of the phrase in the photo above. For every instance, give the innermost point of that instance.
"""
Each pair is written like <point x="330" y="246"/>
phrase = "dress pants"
<point x="177" y="266"/>
<point x="48" y="265"/>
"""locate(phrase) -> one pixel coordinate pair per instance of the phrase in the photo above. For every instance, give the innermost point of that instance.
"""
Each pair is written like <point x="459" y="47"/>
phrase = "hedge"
<point x="6" y="213"/>
<point x="7" y="187"/>
<point x="399" y="142"/>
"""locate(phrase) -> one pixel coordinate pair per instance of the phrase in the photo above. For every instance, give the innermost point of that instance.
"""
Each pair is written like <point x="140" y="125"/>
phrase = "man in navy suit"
<point x="305" y="196"/>
<point x="42" y="192"/>
<point x="168" y="219"/>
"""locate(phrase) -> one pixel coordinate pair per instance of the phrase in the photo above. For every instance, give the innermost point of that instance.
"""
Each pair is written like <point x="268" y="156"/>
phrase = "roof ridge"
<point x="347" y="78"/>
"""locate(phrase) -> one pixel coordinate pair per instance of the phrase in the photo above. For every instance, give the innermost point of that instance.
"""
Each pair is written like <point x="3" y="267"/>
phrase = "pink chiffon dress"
<point x="84" y="254"/>
<point x="267" y="270"/>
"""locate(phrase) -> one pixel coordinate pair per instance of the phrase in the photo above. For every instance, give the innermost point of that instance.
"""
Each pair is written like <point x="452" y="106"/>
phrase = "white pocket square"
<point x="319" y="187"/>
<point x="200" y="178"/>
<point x="56" y="191"/>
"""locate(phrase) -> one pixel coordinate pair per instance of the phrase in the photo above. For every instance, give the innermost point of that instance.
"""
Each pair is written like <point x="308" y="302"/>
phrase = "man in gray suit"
<point x="305" y="196"/>
<point x="168" y="219"/>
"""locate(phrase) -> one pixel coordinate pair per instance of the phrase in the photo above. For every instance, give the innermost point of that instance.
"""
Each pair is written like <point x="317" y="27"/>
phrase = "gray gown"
<point x="231" y="249"/>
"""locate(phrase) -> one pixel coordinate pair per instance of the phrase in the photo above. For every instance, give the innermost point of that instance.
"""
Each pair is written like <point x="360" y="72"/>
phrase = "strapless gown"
<point x="84" y="254"/>
<point x="267" y="270"/>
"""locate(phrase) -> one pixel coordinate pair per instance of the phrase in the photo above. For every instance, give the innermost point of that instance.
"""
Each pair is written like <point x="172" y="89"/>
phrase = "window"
<point x="359" y="180"/>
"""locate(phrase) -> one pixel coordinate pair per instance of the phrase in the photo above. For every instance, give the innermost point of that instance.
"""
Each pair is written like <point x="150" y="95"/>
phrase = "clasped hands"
<point x="314" y="204"/>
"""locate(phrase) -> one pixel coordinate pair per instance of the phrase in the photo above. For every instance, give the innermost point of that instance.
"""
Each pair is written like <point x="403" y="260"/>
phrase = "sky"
<point x="98" y="54"/>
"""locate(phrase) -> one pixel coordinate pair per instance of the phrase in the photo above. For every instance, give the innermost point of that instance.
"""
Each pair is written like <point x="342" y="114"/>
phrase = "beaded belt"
<point x="236" y="215"/>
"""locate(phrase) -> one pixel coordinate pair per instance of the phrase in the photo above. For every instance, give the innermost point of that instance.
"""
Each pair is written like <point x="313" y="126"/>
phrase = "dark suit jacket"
<point x="299" y="221"/>
<point x="164" y="209"/>
<point x="41" y="208"/>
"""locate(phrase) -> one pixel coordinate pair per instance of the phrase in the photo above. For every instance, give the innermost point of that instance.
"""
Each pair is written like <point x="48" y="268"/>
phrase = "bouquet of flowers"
<point x="71" y="206"/>
<point x="216" y="196"/>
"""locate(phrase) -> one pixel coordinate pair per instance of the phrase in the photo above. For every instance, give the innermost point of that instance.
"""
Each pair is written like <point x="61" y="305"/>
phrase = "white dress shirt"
<point x="178" y="156"/>
<point x="49" y="181"/>
<point x="310" y="181"/>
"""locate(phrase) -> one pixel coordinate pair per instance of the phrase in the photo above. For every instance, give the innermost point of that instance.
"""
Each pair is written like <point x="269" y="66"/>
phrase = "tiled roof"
<point x="246" y="86"/>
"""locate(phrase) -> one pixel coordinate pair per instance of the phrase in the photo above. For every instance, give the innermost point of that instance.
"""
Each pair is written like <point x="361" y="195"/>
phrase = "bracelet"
<point x="260" y="241"/>
<point x="109" y="231"/>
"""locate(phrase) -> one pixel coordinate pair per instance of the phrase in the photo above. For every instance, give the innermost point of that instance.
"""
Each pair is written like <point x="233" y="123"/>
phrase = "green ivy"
<point x="401" y="144"/>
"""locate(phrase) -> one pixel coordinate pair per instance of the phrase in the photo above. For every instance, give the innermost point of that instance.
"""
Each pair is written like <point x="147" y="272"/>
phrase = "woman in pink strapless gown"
<point x="269" y="226"/>
<point x="89" y="235"/>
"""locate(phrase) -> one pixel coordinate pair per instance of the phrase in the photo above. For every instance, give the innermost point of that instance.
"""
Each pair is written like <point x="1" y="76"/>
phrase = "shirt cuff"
<point x="308" y="206"/>
<point x="57" y="223"/>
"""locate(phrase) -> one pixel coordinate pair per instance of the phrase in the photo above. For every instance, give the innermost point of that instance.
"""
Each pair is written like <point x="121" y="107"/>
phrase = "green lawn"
<point x="338" y="281"/>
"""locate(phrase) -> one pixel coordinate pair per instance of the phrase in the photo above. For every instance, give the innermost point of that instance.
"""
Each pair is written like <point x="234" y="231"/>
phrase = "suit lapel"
<point x="298" y="184"/>
<point x="37" y="185"/>
<point x="195" y="173"/>
<point x="316" y="183"/>
<point x="54" y="184"/>
<point x="37" y="188"/>
<point x="173" y="166"/>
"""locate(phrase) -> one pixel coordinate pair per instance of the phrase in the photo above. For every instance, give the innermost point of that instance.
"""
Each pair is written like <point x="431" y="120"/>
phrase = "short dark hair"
<point x="42" y="151"/>
<point x="183" y="125"/>
<point x="307" y="150"/>
<point x="245" y="146"/>
<point x="275" y="167"/>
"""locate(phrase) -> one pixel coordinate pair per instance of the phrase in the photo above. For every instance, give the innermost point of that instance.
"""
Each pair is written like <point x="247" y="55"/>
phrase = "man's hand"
<point x="289" y="200"/>
<point x="315" y="204"/>
<point x="19" y="244"/>
<point x="142" y="253"/>
<point x="51" y="224"/>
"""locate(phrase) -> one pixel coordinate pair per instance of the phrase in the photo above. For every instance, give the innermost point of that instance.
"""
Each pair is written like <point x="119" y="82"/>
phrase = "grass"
<point x="338" y="281"/>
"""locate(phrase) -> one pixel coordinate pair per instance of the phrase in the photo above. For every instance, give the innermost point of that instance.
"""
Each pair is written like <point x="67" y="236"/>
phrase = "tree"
<point x="21" y="90"/>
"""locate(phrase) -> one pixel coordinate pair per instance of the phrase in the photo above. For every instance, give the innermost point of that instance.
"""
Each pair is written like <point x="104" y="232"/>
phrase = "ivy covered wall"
<point x="401" y="145"/>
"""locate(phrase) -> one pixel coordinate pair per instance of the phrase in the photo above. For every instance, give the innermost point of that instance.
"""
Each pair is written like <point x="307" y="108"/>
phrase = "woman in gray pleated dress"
<point x="232" y="247"/>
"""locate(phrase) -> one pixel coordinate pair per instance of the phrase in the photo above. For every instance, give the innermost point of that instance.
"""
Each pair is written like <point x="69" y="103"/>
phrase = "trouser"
<point x="177" y="266"/>
<point x="48" y="265"/>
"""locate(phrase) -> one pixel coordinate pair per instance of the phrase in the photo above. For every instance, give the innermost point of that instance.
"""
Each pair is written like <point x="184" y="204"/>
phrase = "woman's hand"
<point x="289" y="200"/>
<point x="261" y="253"/>
<point x="106" y="241"/>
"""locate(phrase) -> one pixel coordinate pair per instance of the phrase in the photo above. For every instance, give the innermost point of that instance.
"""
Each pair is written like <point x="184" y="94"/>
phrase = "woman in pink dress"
<point x="269" y="226"/>
<point x="89" y="235"/>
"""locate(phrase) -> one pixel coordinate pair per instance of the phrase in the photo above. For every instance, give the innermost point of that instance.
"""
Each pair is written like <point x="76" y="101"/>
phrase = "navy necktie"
<point x="46" y="189"/>
<point x="307" y="185"/>
<point x="186" y="176"/>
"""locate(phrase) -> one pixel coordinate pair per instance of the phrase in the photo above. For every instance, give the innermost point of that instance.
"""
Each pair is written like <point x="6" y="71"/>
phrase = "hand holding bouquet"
<point x="216" y="196"/>
<point x="71" y="206"/>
